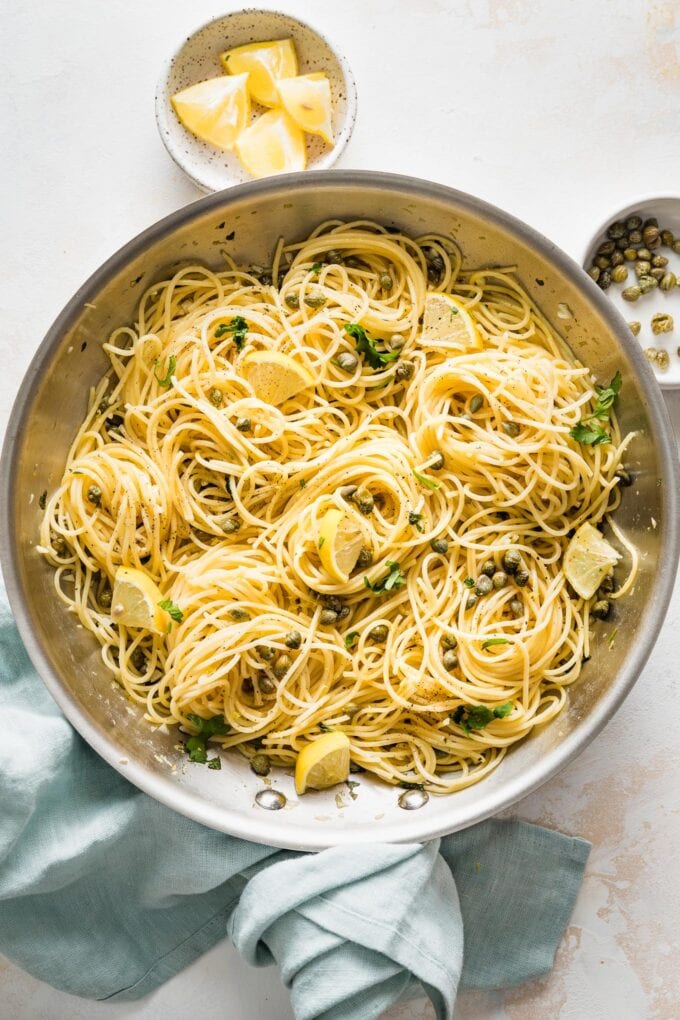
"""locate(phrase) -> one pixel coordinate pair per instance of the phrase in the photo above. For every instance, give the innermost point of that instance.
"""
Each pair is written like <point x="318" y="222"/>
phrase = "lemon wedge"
<point x="134" y="601"/>
<point x="339" y="543"/>
<point x="216" y="110"/>
<point x="322" y="763"/>
<point x="447" y="321"/>
<point x="588" y="560"/>
<point x="264" y="63"/>
<point x="275" y="377"/>
<point x="273" y="144"/>
<point x="307" y="99"/>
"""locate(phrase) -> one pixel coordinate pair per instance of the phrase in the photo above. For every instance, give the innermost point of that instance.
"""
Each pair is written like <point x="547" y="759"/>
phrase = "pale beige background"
<point x="557" y="110"/>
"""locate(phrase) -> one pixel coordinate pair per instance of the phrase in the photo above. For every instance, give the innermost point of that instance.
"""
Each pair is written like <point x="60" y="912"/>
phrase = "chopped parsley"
<point x="321" y="542"/>
<point x="215" y="763"/>
<point x="589" y="430"/>
<point x="351" y="638"/>
<point x="366" y="346"/>
<point x="196" y="746"/>
<point x="317" y="267"/>
<point x="172" y="609"/>
<point x="405" y="785"/>
<point x="238" y="327"/>
<point x="166" y="381"/>
<point x="415" y="520"/>
<point x="469" y="582"/>
<point x="325" y="728"/>
<point x="425" y="480"/>
<point x="302" y="483"/>
<point x="476" y="717"/>
<point x="394" y="579"/>
<point x="493" y="641"/>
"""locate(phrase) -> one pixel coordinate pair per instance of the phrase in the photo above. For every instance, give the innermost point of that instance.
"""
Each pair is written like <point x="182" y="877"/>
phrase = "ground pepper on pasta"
<point x="456" y="632"/>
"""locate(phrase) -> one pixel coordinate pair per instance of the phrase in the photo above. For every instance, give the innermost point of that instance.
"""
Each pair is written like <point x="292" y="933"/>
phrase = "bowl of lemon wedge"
<point x="251" y="94"/>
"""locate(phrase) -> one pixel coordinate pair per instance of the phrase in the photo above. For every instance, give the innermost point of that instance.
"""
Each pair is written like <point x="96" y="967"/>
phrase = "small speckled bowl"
<point x="666" y="209"/>
<point x="198" y="58"/>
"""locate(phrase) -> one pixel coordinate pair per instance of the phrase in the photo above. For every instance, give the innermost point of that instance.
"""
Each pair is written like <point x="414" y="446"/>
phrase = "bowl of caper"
<point x="635" y="258"/>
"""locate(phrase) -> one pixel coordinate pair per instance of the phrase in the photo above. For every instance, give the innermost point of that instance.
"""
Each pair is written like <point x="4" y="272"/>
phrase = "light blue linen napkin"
<point x="106" y="894"/>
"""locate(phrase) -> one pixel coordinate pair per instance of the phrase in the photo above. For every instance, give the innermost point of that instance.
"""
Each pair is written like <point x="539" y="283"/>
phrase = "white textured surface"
<point x="558" y="111"/>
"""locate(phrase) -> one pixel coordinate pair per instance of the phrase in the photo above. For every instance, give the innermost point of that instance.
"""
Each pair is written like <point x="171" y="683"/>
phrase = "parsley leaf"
<point x="216" y="725"/>
<point x="493" y="641"/>
<point x="366" y="346"/>
<point x="395" y="579"/>
<point x="172" y="609"/>
<point x="215" y="763"/>
<point x="351" y="638"/>
<point x="476" y="717"/>
<point x="425" y="480"/>
<point x="196" y="746"/>
<point x="589" y="431"/>
<point x="415" y="519"/>
<point x="238" y="326"/>
<point x="606" y="395"/>
<point x="166" y="382"/>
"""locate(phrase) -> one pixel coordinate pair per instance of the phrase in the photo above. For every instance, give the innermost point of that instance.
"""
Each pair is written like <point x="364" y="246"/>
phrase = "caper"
<point x="633" y="223"/>
<point x="333" y="602"/>
<point x="647" y="283"/>
<point x="292" y="299"/>
<point x="512" y="560"/>
<point x="266" y="684"/>
<point x="435" y="461"/>
<point x="328" y="617"/>
<point x="239" y="615"/>
<point x="259" y="763"/>
<point x="605" y="280"/>
<point x="138" y="659"/>
<point x="622" y="243"/>
<point x="439" y="545"/>
<point x="616" y="230"/>
<point x="676" y="246"/>
<point x="471" y="600"/>
<point x="602" y="262"/>
<point x="404" y="370"/>
<point x="449" y="659"/>
<point x="619" y="274"/>
<point x="104" y="596"/>
<point x="635" y="237"/>
<point x="635" y="327"/>
<point x="499" y="579"/>
<point x="488" y="568"/>
<point x="231" y="525"/>
<point x="247" y="685"/>
<point x="511" y="428"/>
<point x="667" y="281"/>
<point x="659" y="261"/>
<point x="396" y="342"/>
<point x="594" y="273"/>
<point x="94" y="494"/>
<point x="365" y="557"/>
<point x="255" y="270"/>
<point x="650" y="234"/>
<point x="606" y="248"/>
<point x="59" y="547"/>
<point x="642" y="267"/>
<point x="364" y="500"/>
<point x="315" y="299"/>
<point x="385" y="281"/>
<point x="663" y="360"/>
<point x="347" y="361"/>
<point x="347" y="491"/>
<point x="630" y="254"/>
<point x="667" y="237"/>
<point x="243" y="424"/>
<point x="449" y="641"/>
<point x="293" y="639"/>
<point x="281" y="666"/>
<point x="379" y="633"/>
<point x="601" y="609"/>
<point x="517" y="607"/>
<point x="625" y="478"/>
<point x="483" y="585"/>
<point x="662" y="322"/>
<point x="651" y="354"/>
<point x="617" y="258"/>
<point x="333" y="257"/>
<point x="265" y="652"/>
<point x="631" y="293"/>
<point x="644" y="255"/>
<point x="476" y="403"/>
<point x="607" y="585"/>
<point x="522" y="577"/>
<point x="344" y="612"/>
<point x="658" y="273"/>
<point x="435" y="265"/>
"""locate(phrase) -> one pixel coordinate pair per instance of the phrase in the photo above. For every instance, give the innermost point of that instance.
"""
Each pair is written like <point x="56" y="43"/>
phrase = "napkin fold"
<point x="106" y="893"/>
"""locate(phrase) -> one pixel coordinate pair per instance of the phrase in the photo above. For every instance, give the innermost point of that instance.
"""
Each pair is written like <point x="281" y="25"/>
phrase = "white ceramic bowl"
<point x="666" y="208"/>
<point x="198" y="58"/>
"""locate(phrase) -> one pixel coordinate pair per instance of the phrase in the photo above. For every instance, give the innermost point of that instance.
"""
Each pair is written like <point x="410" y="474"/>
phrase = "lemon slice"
<point x="216" y="110"/>
<point x="273" y="144"/>
<point x="322" y="763"/>
<point x="134" y="601"/>
<point x="274" y="376"/>
<point x="447" y="321"/>
<point x="339" y="543"/>
<point x="307" y="99"/>
<point x="588" y="560"/>
<point x="264" y="63"/>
